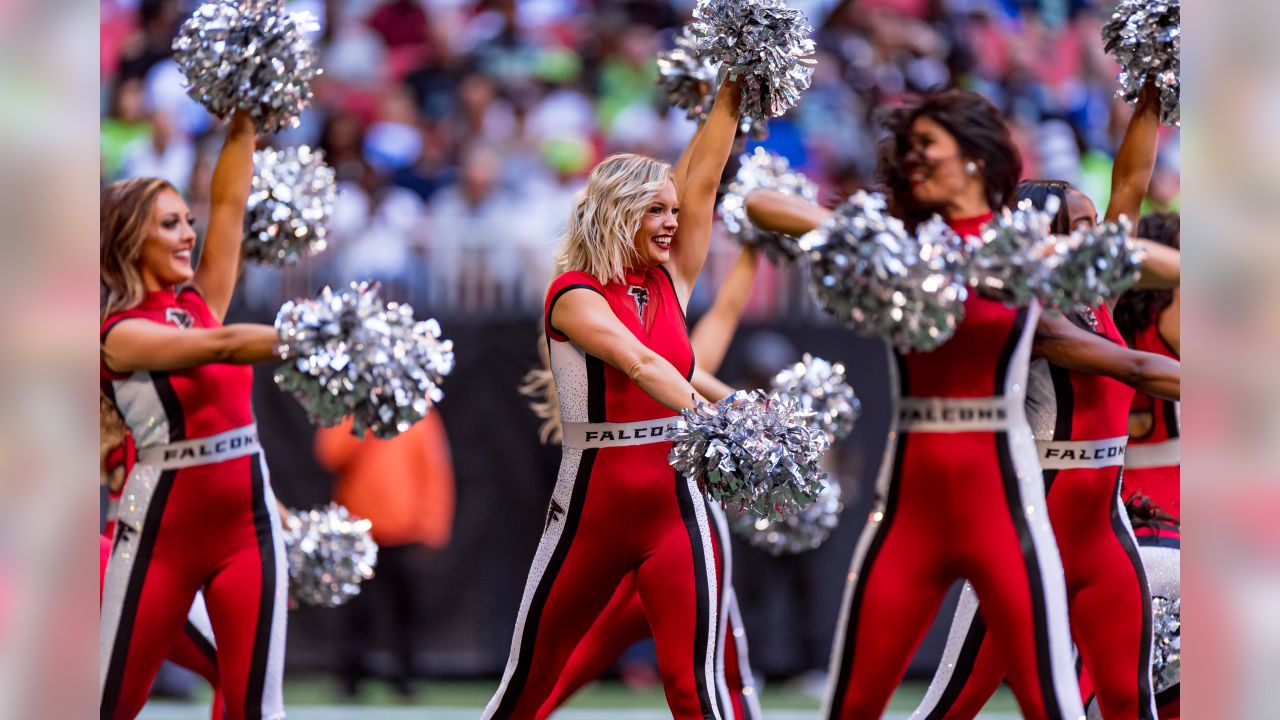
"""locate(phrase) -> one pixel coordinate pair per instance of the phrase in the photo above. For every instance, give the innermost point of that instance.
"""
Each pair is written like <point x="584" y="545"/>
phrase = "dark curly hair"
<point x="1137" y="309"/>
<point x="980" y="133"/>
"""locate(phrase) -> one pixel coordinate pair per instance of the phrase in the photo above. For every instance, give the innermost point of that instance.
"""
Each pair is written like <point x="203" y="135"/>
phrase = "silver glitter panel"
<point x="754" y="450"/>
<point x="867" y="271"/>
<point x="823" y="391"/>
<point x="794" y="534"/>
<point x="1146" y="38"/>
<point x="251" y="55"/>
<point x="353" y="355"/>
<point x="763" y="42"/>
<point x="289" y="206"/>
<point x="330" y="552"/>
<point x="763" y="169"/>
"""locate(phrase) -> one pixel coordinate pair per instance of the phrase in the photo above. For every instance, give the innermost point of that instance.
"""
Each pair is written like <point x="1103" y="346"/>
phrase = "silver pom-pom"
<point x="763" y="169"/>
<point x="249" y="54"/>
<point x="763" y="42"/>
<point x="823" y="391"/>
<point x="1009" y="262"/>
<point x="1166" y="652"/>
<point x="686" y="79"/>
<point x="802" y="532"/>
<point x="873" y="276"/>
<point x="330" y="552"/>
<point x="353" y="355"/>
<point x="754" y="450"/>
<point x="289" y="206"/>
<point x="1091" y="265"/>
<point x="1146" y="38"/>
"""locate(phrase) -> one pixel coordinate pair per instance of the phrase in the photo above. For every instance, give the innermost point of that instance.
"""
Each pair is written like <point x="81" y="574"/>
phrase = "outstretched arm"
<point x="714" y="330"/>
<point x="1136" y="158"/>
<point x="777" y="212"/>
<point x="1161" y="266"/>
<point x="586" y="318"/>
<point x="1065" y="345"/>
<point x="707" y="156"/>
<point x="215" y="278"/>
<point x="139" y="344"/>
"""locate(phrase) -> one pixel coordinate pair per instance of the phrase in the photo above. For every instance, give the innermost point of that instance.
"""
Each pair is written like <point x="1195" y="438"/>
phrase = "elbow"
<point x="640" y="367"/>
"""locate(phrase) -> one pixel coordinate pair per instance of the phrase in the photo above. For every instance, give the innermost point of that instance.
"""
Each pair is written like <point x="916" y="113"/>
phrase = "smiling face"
<point x="935" y="166"/>
<point x="165" y="260"/>
<point x="657" y="227"/>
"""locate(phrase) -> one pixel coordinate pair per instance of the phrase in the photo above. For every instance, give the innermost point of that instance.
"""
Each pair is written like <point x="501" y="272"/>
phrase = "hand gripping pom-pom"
<point x="353" y="355"/>
<point x="763" y="169"/>
<point x="874" y="277"/>
<point x="1146" y="38"/>
<point x="763" y="42"/>
<point x="755" y="450"/>
<point x="330" y="552"/>
<point x="289" y="206"/>
<point x="251" y="55"/>
<point x="822" y="390"/>
<point x="1091" y="266"/>
<point x="802" y="532"/>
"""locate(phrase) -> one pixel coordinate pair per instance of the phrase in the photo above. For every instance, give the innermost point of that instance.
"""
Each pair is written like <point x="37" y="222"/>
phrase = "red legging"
<point x="955" y="505"/>
<point x="623" y="623"/>
<point x="1109" y="603"/>
<point x="193" y="650"/>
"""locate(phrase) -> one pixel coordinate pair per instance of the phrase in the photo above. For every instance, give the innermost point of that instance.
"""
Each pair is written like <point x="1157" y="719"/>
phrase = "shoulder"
<point x="191" y="299"/>
<point x="572" y="280"/>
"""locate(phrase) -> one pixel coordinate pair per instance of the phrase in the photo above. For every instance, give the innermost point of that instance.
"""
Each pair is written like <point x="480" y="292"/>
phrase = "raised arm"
<point x="215" y="278"/>
<point x="777" y="212"/>
<point x="1065" y="345"/>
<point x="714" y="330"/>
<point x="707" y="156"/>
<point x="139" y="344"/>
<point x="585" y="317"/>
<point x="1136" y="158"/>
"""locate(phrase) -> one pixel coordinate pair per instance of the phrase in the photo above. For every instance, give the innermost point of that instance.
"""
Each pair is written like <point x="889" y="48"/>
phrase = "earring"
<point x="970" y="168"/>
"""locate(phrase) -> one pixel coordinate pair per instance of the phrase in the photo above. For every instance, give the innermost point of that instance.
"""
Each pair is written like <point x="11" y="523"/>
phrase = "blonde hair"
<point x="599" y="238"/>
<point x="540" y="386"/>
<point x="125" y="221"/>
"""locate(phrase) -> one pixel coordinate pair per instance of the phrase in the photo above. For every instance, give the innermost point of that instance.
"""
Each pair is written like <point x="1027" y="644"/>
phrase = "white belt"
<point x="1068" y="454"/>
<point x="944" y="414"/>
<point x="1148" y="455"/>
<point x="583" y="436"/>
<point x="202" y="451"/>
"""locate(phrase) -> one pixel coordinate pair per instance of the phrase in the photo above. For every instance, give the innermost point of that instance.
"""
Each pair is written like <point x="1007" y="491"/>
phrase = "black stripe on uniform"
<point x="963" y="670"/>
<point x="263" y="528"/>
<point x="595" y="413"/>
<point x="864" y="573"/>
<point x="172" y="406"/>
<point x="133" y="592"/>
<point x="702" y="603"/>
<point x="1125" y="538"/>
<point x="576" y="286"/>
<point x="1014" y="503"/>
<point x="202" y="643"/>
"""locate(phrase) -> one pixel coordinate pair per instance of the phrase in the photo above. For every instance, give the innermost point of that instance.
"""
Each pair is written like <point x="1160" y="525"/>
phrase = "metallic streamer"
<point x="763" y="169"/>
<point x="873" y="276"/>
<point x="823" y="391"/>
<point x="754" y="450"/>
<point x="763" y="42"/>
<point x="353" y="355"/>
<point x="330" y="552"/>
<point x="289" y="206"/>
<point x="802" y="532"/>
<point x="1091" y="265"/>
<point x="1146" y="38"/>
<point x="249" y="54"/>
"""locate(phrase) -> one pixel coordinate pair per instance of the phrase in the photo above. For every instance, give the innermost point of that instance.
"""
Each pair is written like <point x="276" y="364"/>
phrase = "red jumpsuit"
<point x="1152" y="468"/>
<point x="196" y="513"/>
<point x="618" y="508"/>
<point x="960" y="495"/>
<point x="1080" y="422"/>
<point x="194" y="649"/>
<point x="623" y="623"/>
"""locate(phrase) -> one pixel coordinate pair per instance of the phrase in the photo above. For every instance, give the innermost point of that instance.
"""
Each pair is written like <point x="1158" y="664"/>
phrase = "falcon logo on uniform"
<point x="123" y="531"/>
<point x="179" y="317"/>
<point x="641" y="296"/>
<point x="553" y="513"/>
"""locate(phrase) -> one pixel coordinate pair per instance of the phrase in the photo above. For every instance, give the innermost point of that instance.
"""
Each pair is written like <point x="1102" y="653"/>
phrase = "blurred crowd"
<point x="460" y="129"/>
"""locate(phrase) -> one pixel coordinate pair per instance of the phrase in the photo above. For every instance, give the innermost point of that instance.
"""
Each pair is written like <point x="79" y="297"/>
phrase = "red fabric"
<point x="1161" y="484"/>
<point x="949" y="512"/>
